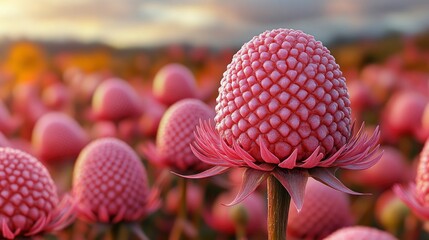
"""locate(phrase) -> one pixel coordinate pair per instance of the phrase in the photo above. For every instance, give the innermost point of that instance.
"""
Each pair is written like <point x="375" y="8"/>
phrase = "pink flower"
<point x="174" y="82"/>
<point x="29" y="201"/>
<point x="176" y="133"/>
<point x="57" y="138"/>
<point x="360" y="233"/>
<point x="324" y="211"/>
<point x="283" y="109"/>
<point x="115" y="100"/>
<point x="110" y="183"/>
<point x="416" y="195"/>
<point x="398" y="124"/>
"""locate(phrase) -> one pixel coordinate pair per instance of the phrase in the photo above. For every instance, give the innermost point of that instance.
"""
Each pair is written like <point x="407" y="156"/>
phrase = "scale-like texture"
<point x="28" y="198"/>
<point x="174" y="82"/>
<point x="324" y="211"/>
<point x="57" y="137"/>
<point x="285" y="86"/>
<point x="109" y="182"/>
<point x="114" y="100"/>
<point x="360" y="233"/>
<point x="176" y="133"/>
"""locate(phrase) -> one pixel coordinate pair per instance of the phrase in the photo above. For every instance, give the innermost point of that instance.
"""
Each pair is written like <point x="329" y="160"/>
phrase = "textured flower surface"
<point x="283" y="109"/>
<point x="176" y="133"/>
<point x="324" y="211"/>
<point x="416" y="194"/>
<point x="29" y="203"/>
<point x="114" y="100"/>
<point x="110" y="183"/>
<point x="174" y="82"/>
<point x="57" y="137"/>
<point x="360" y="233"/>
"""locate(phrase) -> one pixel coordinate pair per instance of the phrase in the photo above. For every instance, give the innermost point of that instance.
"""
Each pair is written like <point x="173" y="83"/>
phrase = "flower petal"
<point x="266" y="155"/>
<point x="251" y="180"/>
<point x="326" y="176"/>
<point x="290" y="162"/>
<point x="6" y="230"/>
<point x="294" y="181"/>
<point x="313" y="160"/>
<point x="149" y="151"/>
<point x="409" y="196"/>
<point x="216" y="170"/>
<point x="209" y="159"/>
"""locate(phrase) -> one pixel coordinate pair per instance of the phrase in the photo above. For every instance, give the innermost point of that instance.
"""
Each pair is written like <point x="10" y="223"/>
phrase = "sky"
<point x="127" y="23"/>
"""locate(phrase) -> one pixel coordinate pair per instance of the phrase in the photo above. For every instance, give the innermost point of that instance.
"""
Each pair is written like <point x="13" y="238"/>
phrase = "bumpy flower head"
<point x="174" y="82"/>
<point x="110" y="183"/>
<point x="416" y="195"/>
<point x="176" y="133"/>
<point x="360" y="233"/>
<point x="114" y="100"/>
<point x="28" y="199"/>
<point x="325" y="210"/>
<point x="283" y="105"/>
<point x="57" y="137"/>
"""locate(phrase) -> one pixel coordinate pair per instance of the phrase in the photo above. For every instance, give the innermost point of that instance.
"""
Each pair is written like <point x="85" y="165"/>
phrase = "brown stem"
<point x="278" y="209"/>
<point x="181" y="217"/>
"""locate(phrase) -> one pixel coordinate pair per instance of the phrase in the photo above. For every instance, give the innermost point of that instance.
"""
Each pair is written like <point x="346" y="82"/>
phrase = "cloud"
<point x="213" y="22"/>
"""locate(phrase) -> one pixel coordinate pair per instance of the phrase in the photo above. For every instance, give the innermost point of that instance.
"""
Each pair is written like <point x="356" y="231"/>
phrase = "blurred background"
<point x="54" y="54"/>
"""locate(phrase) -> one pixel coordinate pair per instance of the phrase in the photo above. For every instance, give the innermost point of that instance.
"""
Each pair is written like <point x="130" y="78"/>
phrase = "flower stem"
<point x="176" y="232"/>
<point x="278" y="209"/>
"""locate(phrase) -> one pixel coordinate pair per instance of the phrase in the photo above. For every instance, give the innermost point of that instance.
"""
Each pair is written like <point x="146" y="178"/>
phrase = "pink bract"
<point x="392" y="162"/>
<point x="360" y="233"/>
<point x="283" y="109"/>
<point x="110" y="183"/>
<point x="416" y="194"/>
<point x="114" y="99"/>
<point x="176" y="133"/>
<point x="174" y="82"/>
<point x="29" y="201"/>
<point x="57" y="137"/>
<point x="324" y="211"/>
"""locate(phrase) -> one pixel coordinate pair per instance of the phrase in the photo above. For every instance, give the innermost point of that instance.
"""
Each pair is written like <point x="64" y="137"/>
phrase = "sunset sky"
<point x="125" y="23"/>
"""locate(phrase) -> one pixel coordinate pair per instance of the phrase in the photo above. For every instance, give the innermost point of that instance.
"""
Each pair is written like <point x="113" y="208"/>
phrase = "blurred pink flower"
<point x="110" y="183"/>
<point x="416" y="194"/>
<point x="324" y="211"/>
<point x="176" y="133"/>
<point x="360" y="233"/>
